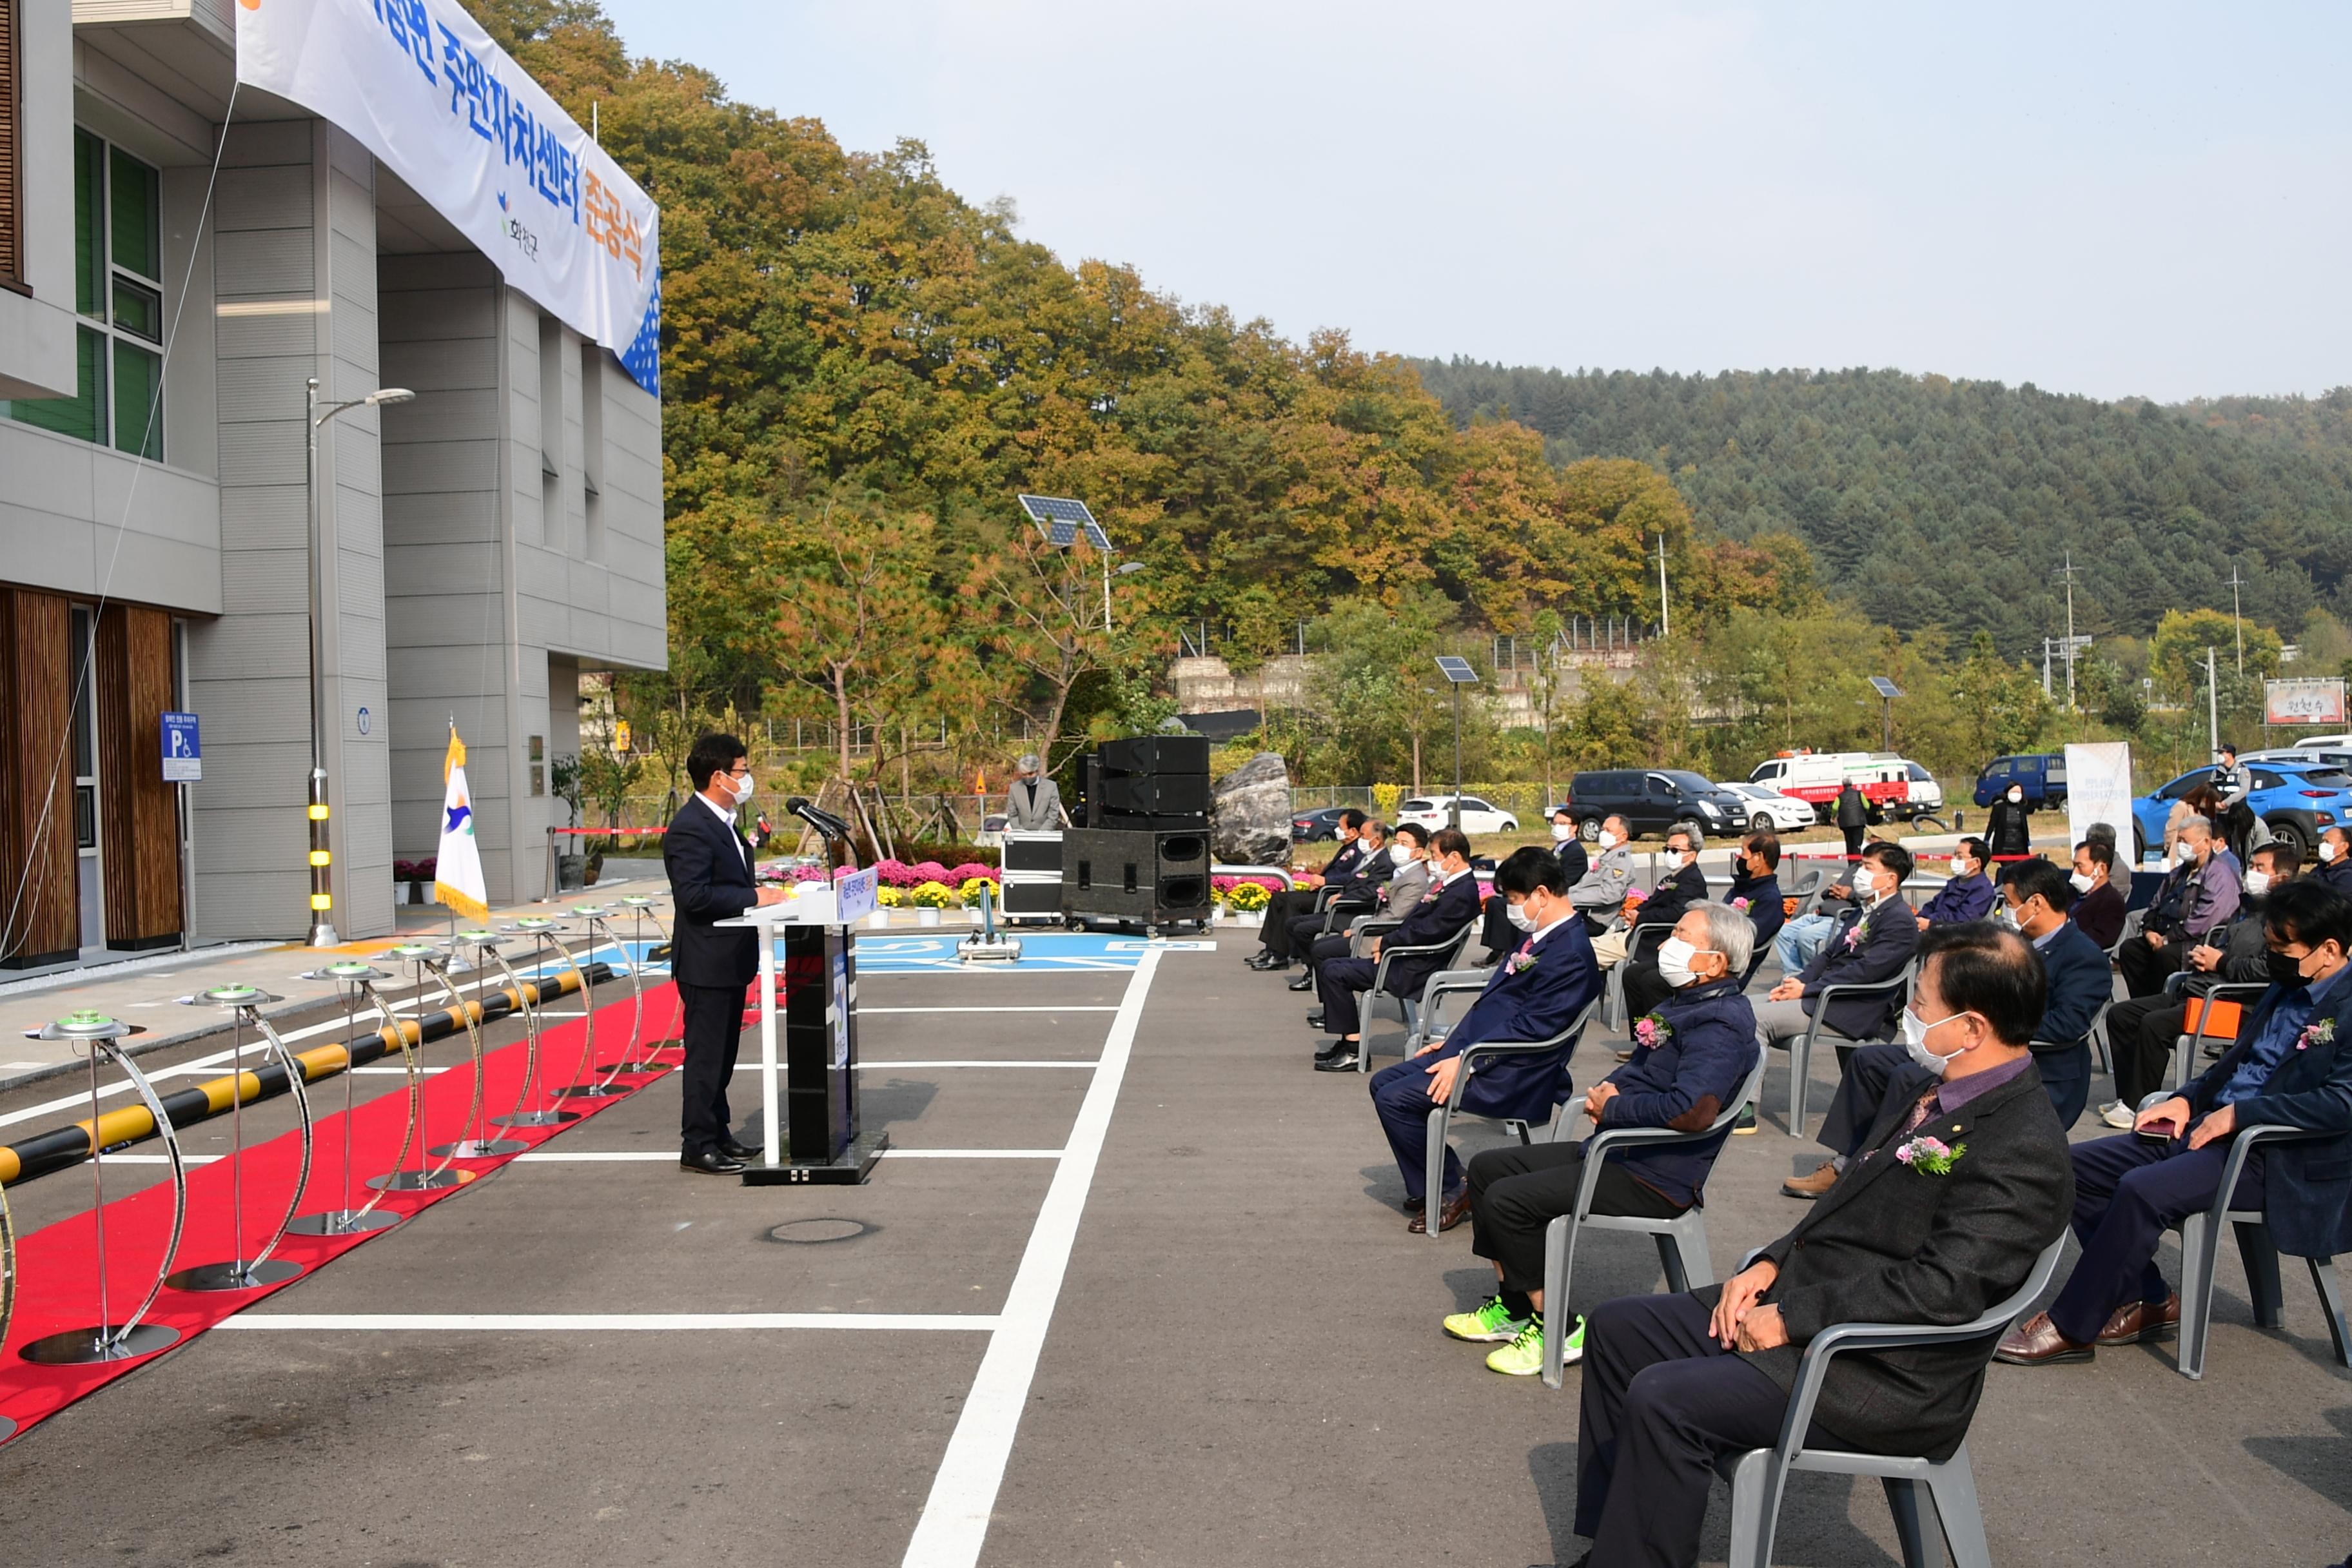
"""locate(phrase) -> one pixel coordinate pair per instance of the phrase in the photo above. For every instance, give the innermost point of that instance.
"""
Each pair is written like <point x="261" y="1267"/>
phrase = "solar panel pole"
<point x="1454" y="815"/>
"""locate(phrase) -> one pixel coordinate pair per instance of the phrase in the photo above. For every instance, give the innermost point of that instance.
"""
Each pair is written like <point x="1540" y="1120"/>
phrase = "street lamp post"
<point x="323" y="896"/>
<point x="1126" y="568"/>
<point x="1458" y="674"/>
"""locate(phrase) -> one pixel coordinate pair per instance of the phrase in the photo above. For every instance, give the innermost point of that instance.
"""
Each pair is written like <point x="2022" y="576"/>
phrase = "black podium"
<point x="811" y="1130"/>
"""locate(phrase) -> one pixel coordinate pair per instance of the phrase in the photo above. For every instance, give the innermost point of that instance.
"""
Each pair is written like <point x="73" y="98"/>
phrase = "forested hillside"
<point x="1932" y="501"/>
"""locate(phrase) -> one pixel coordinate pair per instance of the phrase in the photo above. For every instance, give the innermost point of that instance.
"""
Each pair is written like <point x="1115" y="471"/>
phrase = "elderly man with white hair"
<point x="1033" y="802"/>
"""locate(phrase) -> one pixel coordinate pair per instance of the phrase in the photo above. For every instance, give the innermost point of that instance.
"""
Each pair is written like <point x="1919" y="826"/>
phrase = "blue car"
<point x="2297" y="801"/>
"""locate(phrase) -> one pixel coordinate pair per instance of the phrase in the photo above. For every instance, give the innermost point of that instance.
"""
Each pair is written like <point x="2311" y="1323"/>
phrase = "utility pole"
<point x="2212" y="709"/>
<point x="2068" y="574"/>
<point x="1665" y="611"/>
<point x="2237" y="582"/>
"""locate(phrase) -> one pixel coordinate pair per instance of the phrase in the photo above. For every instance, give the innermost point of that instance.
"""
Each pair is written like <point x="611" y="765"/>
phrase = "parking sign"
<point x="183" y="756"/>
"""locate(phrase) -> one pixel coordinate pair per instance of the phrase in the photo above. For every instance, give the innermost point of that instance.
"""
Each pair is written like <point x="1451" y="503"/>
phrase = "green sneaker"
<point x="1523" y="1357"/>
<point x="1747" y="1122"/>
<point x="1492" y="1323"/>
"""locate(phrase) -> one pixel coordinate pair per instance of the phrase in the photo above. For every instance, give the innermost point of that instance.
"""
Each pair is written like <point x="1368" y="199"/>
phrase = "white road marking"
<point x="866" y="1012"/>
<point x="955" y="1518"/>
<point x="638" y="1323"/>
<point x="877" y="1067"/>
<point x="663" y="1156"/>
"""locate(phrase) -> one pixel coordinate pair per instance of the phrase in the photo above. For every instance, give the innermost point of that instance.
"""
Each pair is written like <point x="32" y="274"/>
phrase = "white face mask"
<point x="1520" y="917"/>
<point x="2016" y="796"/>
<point x="1675" y="955"/>
<point x="736" y="790"/>
<point x="1607" y="840"/>
<point x="2183" y="852"/>
<point x="2327" y="851"/>
<point x="1867" y="887"/>
<point x="1915" y="1042"/>
<point x="2084" y="881"/>
<point x="2007" y="918"/>
<point x="1399" y="855"/>
<point x="2258" y="883"/>
<point x="1562" y="832"/>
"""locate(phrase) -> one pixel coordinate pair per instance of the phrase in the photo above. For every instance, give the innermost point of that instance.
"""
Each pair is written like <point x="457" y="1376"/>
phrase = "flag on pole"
<point x="458" y="874"/>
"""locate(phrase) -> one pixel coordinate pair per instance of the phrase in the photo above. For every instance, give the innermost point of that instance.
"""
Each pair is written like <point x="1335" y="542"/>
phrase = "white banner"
<point x="421" y="84"/>
<point x="2099" y="789"/>
<point x="2318" y="701"/>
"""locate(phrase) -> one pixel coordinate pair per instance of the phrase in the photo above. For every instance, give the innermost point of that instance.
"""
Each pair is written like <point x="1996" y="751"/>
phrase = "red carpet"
<point x="57" y="1267"/>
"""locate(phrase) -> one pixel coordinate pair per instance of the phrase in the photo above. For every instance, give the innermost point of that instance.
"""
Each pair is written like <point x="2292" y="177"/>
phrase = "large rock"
<point x="1249" y="813"/>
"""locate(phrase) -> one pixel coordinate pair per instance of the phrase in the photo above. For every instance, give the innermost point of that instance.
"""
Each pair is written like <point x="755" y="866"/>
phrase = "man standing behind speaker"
<point x="709" y="867"/>
<point x="1033" y="802"/>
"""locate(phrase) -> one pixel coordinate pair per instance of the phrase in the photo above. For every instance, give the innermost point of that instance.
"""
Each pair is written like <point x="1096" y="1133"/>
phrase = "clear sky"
<point x="2140" y="199"/>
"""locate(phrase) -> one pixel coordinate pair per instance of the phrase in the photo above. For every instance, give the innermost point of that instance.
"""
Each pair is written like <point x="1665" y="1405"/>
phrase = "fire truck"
<point x="1816" y="777"/>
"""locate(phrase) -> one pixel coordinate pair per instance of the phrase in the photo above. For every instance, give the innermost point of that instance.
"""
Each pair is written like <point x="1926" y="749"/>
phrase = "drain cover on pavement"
<point x="807" y="1232"/>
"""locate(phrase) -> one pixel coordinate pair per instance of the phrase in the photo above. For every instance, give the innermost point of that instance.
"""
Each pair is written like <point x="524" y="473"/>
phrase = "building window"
<point x="118" y="293"/>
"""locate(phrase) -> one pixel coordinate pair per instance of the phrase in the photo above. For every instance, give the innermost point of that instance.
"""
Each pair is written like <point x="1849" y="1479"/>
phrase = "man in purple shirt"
<point x="1968" y="896"/>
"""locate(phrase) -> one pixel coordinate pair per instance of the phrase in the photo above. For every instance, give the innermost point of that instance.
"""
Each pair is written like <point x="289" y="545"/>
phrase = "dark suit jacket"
<point x="1343" y="864"/>
<point x="1764" y="909"/>
<point x="709" y="880"/>
<point x="1683" y="1082"/>
<point x="2101" y="913"/>
<point x="2080" y="982"/>
<point x="1573" y="860"/>
<point x="1890" y="935"/>
<point x="1363" y="881"/>
<point x="2306" y="1187"/>
<point x="1674" y="898"/>
<point x="1439" y="916"/>
<point x="2337" y="874"/>
<point x="1889" y="1243"/>
<point x="1532" y="1004"/>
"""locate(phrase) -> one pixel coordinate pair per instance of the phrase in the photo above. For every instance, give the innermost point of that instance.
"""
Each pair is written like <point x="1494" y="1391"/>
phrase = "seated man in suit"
<point x="2291" y="1067"/>
<point x="2198" y="897"/>
<point x="1495" y="933"/>
<point x="1683" y="885"/>
<point x="2100" y="907"/>
<point x="1408" y="859"/>
<point x="1755" y="891"/>
<point x="1533" y="994"/>
<point x="1699" y="1049"/>
<point x="1962" y="1183"/>
<point x="1873" y="941"/>
<point x="1968" y="895"/>
<point x="708" y="865"/>
<point x="2077" y="984"/>
<point x="2143" y="1030"/>
<point x="1274" y="935"/>
<point x="1358" y="892"/>
<point x="1450" y="904"/>
<point x="2335" y="860"/>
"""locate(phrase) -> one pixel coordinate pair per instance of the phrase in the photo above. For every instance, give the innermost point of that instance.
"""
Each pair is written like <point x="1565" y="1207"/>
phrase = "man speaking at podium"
<point x="709" y="867"/>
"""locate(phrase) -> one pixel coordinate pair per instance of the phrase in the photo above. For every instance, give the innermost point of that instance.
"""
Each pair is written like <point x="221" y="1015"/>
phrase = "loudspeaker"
<point x="1121" y="874"/>
<point x="1156" y="755"/>
<point x="1156" y="795"/>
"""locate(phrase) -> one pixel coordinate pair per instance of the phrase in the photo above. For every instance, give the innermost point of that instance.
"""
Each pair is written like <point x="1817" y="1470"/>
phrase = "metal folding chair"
<point x="1681" y="1241"/>
<point x="1800" y="1056"/>
<point x="1759" y="1476"/>
<point x="1441" y="1117"/>
<point x="1637" y="940"/>
<point x="2186" y="1048"/>
<point x="1447" y="951"/>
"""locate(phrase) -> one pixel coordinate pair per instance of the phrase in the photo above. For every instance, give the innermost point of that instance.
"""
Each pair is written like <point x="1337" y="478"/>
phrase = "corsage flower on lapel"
<point x="1524" y="960"/>
<point x="1931" y="1156"/>
<point x="1651" y="1030"/>
<point x="2318" y="1032"/>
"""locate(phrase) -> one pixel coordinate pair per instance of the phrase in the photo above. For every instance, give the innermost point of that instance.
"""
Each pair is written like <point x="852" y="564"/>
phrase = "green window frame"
<point x="119" y="294"/>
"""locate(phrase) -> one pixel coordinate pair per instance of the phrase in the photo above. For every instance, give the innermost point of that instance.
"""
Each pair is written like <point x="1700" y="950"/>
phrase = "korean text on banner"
<point x="425" y="90"/>
<point x="2099" y="789"/>
<point x="2316" y="701"/>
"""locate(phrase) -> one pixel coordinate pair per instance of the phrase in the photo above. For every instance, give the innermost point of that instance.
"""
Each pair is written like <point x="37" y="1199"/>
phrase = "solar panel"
<point x="1885" y="687"/>
<point x="1456" y="671"/>
<point x="1062" y="518"/>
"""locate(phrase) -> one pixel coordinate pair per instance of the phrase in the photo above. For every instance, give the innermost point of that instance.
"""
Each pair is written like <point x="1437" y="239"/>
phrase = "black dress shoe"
<point x="710" y="1161"/>
<point x="1265" y="961"/>
<point x="1304" y="982"/>
<point x="735" y="1151"/>
<point x="1342" y="1061"/>
<point x="1314" y="1017"/>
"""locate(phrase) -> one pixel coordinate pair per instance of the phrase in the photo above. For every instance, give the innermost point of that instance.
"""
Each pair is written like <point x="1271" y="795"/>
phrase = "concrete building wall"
<point x="36" y="329"/>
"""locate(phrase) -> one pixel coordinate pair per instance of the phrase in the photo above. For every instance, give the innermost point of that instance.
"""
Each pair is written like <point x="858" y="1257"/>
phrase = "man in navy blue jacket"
<point x="1273" y="934"/>
<point x="1451" y="903"/>
<point x="1755" y="891"/>
<point x="2291" y="1067"/>
<point x="1968" y="895"/>
<point x="1534" y="993"/>
<point x="1700" y="1046"/>
<point x="1871" y="943"/>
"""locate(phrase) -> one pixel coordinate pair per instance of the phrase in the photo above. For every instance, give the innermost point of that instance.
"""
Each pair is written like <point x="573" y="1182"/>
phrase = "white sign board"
<point x="2099" y="789"/>
<point x="2308" y="701"/>
<point x="422" y="85"/>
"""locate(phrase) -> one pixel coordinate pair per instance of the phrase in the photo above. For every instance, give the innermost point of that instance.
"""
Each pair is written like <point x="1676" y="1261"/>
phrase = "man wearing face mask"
<point x="1600" y="892"/>
<point x="2291" y="1067"/>
<point x="1358" y="894"/>
<point x="1755" y="891"/>
<point x="2334" y="861"/>
<point x="1674" y="1383"/>
<point x="2100" y="908"/>
<point x="1274" y="931"/>
<point x="1533" y="994"/>
<point x="1682" y="1077"/>
<point x="1968" y="895"/>
<point x="710" y="868"/>
<point x="2011" y="824"/>
<point x="1682" y="885"/>
<point x="1496" y="933"/>
<point x="2199" y="897"/>
<point x="1871" y="943"/>
<point x="2141" y="1032"/>
<point x="1033" y="802"/>
<point x="1449" y="906"/>
<point x="1406" y="862"/>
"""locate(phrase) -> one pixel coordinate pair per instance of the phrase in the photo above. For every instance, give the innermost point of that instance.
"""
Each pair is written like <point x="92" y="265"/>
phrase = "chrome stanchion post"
<point x="600" y="1088"/>
<point x="479" y="1144"/>
<point x="354" y="980"/>
<point x="400" y="1179"/>
<point x="7" y="1289"/>
<point x="526" y="999"/>
<point x="242" y="1273"/>
<point x="108" y="1340"/>
<point x="640" y="909"/>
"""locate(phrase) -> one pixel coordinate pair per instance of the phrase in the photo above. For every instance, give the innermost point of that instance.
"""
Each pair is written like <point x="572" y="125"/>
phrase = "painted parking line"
<point x="878" y="1066"/>
<point x="1109" y="1007"/>
<point x="663" y="1156"/>
<point x="601" y="1323"/>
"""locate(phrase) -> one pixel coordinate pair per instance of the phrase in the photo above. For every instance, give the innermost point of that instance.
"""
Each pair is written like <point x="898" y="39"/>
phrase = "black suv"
<point x="1655" y="800"/>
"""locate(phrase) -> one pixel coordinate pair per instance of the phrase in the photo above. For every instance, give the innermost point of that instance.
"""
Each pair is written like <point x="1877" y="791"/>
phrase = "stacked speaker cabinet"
<point x="1143" y="857"/>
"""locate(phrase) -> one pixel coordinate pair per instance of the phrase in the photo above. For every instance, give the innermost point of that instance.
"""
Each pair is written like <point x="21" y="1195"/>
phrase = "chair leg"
<point x="1800" y="1064"/>
<point x="2261" y="1258"/>
<point x="1559" y="1257"/>
<point x="1747" y="1523"/>
<point x="2331" y="1303"/>
<point x="1904" y="1501"/>
<point x="1952" y="1486"/>
<point x="1432" y="1168"/>
<point x="1693" y="1267"/>
<point x="2196" y="1240"/>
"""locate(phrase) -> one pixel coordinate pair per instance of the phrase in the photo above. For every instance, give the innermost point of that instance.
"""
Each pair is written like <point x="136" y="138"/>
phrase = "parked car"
<point x="2297" y="801"/>
<point x="2040" y="774"/>
<point x="1317" y="827"/>
<point x="1435" y="810"/>
<point x="1656" y="800"/>
<point x="2300" y="753"/>
<point x="1770" y="811"/>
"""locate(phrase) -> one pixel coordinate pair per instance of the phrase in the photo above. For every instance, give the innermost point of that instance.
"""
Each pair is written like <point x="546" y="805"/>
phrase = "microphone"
<point x="824" y="822"/>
